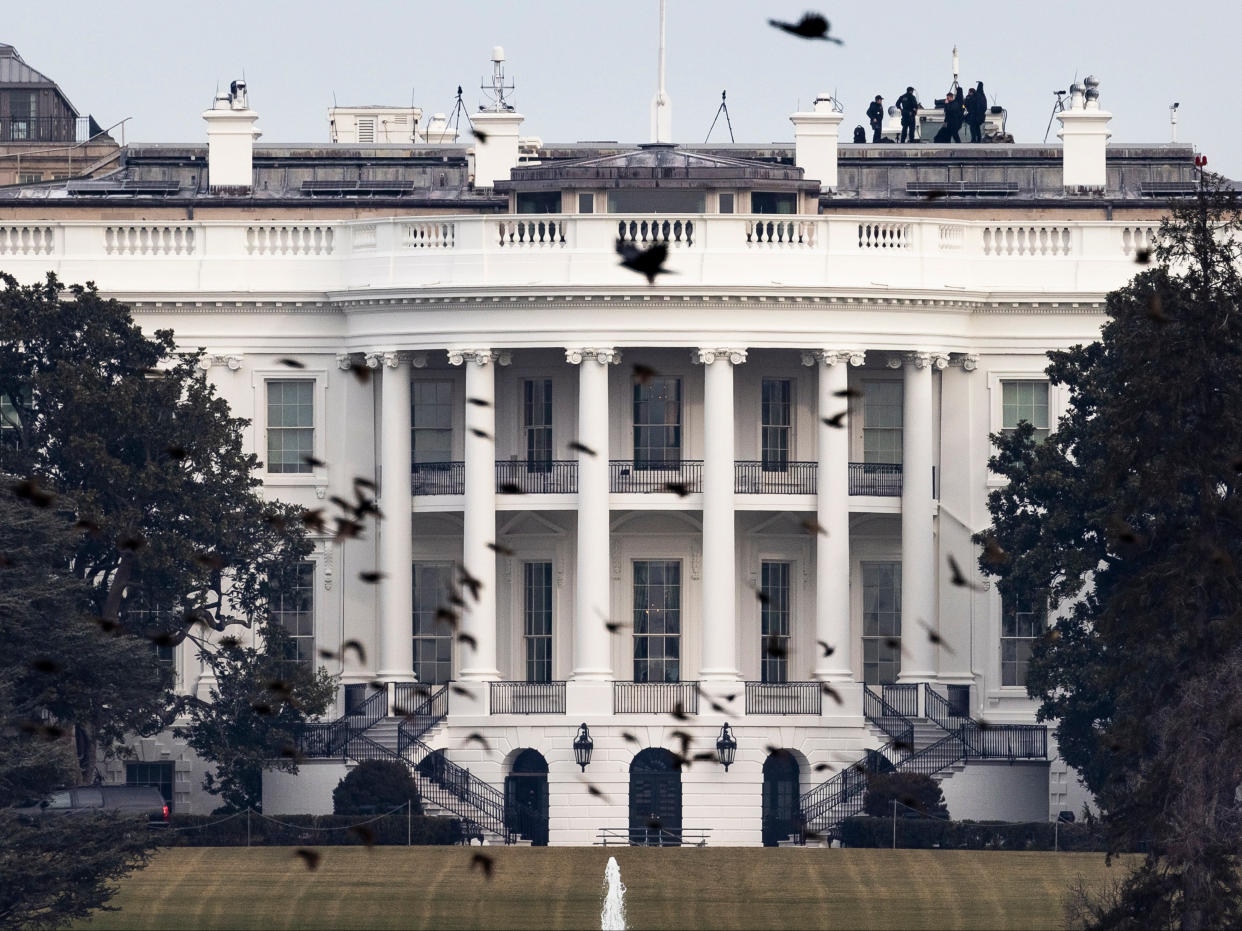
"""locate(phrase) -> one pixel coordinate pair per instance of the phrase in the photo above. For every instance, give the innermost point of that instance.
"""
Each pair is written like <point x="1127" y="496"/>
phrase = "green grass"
<point x="562" y="887"/>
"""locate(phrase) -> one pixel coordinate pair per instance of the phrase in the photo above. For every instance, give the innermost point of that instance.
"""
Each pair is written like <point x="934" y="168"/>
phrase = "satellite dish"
<point x="892" y="111"/>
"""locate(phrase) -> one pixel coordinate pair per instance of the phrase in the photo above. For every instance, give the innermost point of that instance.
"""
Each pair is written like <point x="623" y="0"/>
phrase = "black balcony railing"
<point x="784" y="698"/>
<point x="680" y="477"/>
<point x="1006" y="741"/>
<point x="438" y="478"/>
<point x="875" y="478"/>
<point x="526" y="477"/>
<point x="771" y="478"/>
<point x="904" y="698"/>
<point x="655" y="697"/>
<point x="527" y="698"/>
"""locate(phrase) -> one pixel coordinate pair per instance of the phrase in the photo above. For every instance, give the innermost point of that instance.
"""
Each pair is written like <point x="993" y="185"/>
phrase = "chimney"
<point x="1084" y="134"/>
<point x="230" y="139"/>
<point x="815" y="141"/>
<point x="496" y="138"/>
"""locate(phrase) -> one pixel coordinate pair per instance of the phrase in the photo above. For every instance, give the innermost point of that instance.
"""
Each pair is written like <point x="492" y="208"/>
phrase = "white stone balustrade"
<point x="924" y="258"/>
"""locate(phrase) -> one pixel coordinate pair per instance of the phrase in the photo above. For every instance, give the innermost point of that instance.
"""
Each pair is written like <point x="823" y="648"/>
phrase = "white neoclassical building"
<point x="730" y="496"/>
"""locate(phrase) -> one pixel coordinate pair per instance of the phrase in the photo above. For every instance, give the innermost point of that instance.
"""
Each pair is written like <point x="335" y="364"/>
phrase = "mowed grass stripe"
<point x="269" y="888"/>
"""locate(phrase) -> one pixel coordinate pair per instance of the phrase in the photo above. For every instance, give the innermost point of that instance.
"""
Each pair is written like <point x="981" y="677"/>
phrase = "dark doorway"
<point x="655" y="799"/>
<point x="526" y="797"/>
<point x="780" y="797"/>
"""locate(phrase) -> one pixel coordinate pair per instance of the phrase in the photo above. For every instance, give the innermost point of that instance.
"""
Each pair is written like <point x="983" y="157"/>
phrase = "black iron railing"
<point x="331" y="739"/>
<point x="769" y="478"/>
<point x="903" y="697"/>
<point x="524" y="477"/>
<point x="652" y="837"/>
<point x="424" y="707"/>
<point x="46" y="128"/>
<point x="1006" y="741"/>
<point x="784" y="698"/>
<point x="527" y="698"/>
<point x="940" y="711"/>
<point x="875" y="478"/>
<point x="841" y="796"/>
<point x="655" y="697"/>
<point x="888" y="719"/>
<point x="629" y="476"/>
<point x="438" y="478"/>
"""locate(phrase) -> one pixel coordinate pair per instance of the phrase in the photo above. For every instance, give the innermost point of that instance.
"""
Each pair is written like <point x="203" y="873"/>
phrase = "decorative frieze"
<point x="708" y="356"/>
<point x="479" y="357"/>
<point x="600" y="355"/>
<point x="830" y="357"/>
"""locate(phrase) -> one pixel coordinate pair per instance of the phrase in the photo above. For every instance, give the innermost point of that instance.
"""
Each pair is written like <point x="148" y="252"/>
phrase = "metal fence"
<point x="628" y="476"/>
<point x="526" y="477"/>
<point x="784" y="698"/>
<point x="774" y="478"/>
<point x="438" y="478"/>
<point x="655" y="697"/>
<point x="875" y="478"/>
<point x="527" y="698"/>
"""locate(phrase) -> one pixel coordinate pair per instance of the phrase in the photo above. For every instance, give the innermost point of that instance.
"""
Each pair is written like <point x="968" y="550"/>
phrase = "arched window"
<point x="655" y="799"/>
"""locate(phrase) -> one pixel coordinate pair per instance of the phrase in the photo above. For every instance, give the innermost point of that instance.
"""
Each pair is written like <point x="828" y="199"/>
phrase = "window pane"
<point x="433" y="636"/>
<point x="586" y="203"/>
<point x="1022" y="624"/>
<point x="1025" y="400"/>
<point x="657" y="422"/>
<point x="537" y="421"/>
<point x="657" y="620"/>
<point x="775" y="418"/>
<point x="774" y="621"/>
<point x="882" y="421"/>
<point x="538" y="621"/>
<point x="432" y="419"/>
<point x="290" y="425"/>
<point x="881" y="622"/>
<point x="293" y="605"/>
<point x="159" y="775"/>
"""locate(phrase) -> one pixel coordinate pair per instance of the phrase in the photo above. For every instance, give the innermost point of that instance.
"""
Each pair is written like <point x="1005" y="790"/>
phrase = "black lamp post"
<point x="583" y="745"/>
<point x="726" y="746"/>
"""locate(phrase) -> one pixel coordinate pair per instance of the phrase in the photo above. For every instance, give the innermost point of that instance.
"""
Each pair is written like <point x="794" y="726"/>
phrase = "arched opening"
<point x="655" y="799"/>
<point x="526" y="797"/>
<point x="780" y="797"/>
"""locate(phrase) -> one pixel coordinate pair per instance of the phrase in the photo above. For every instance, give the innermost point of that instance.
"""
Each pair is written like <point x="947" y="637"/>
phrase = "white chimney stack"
<point x="230" y="139"/>
<point x="496" y="136"/>
<point x="1084" y="135"/>
<point x="815" y="141"/>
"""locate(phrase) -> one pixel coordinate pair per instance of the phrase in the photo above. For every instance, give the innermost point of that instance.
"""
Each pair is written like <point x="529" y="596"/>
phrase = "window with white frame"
<point x="1025" y="399"/>
<point x="1022" y="624"/>
<point x="537" y="422"/>
<point x="881" y="584"/>
<point x="142" y="618"/>
<point x="537" y="620"/>
<point x="775" y="423"/>
<point x="432" y="418"/>
<point x="293" y="607"/>
<point x="882" y="421"/>
<point x="10" y="422"/>
<point x="657" y="620"/>
<point x="657" y="423"/>
<point x="290" y="425"/>
<point x="433" y="626"/>
<point x="774" y="620"/>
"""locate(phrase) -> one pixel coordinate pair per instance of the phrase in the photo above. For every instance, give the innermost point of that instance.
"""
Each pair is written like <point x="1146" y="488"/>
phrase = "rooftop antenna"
<point x="723" y="108"/>
<point x="661" y="106"/>
<point x="496" y="89"/>
<point x="1173" y="121"/>
<point x="955" y="67"/>
<point x="454" y="117"/>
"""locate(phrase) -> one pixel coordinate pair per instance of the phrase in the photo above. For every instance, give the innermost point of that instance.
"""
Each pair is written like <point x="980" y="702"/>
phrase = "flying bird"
<point x="29" y="490"/>
<point x="500" y="550"/>
<point x="811" y="26"/>
<point x="644" y="373"/>
<point x="649" y="262"/>
<point x="309" y="857"/>
<point x="365" y="833"/>
<point x="847" y="393"/>
<point x="827" y="648"/>
<point x="483" y="862"/>
<point x="509" y="488"/>
<point x="371" y="577"/>
<point x="478" y="738"/>
<point x="837" y="421"/>
<point x="177" y="452"/>
<point x="479" y="402"/>
<point x="958" y="578"/>
<point x="1142" y="256"/>
<point x="934" y="636"/>
<point x="680" y="489"/>
<point x="290" y="363"/>
<point x="348" y="645"/>
<point x="466" y="638"/>
<point x="581" y="448"/>
<point x="481" y="434"/>
<point x="811" y="525"/>
<point x="313" y="462"/>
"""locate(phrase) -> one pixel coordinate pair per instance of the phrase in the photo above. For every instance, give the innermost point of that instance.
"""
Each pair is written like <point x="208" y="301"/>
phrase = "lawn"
<point x="562" y="887"/>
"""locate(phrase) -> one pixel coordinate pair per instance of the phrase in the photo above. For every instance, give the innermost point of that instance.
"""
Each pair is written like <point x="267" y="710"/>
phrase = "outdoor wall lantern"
<point x="583" y="745"/>
<point x="726" y="746"/>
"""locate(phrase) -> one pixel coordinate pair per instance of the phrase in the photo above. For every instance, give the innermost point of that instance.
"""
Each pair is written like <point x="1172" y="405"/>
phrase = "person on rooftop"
<point x="908" y="104"/>
<point x="976" y="111"/>
<point x="953" y="114"/>
<point x="875" y="113"/>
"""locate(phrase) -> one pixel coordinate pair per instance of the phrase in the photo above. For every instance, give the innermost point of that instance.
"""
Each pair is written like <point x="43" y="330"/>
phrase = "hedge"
<point x="300" y="830"/>
<point x="925" y="833"/>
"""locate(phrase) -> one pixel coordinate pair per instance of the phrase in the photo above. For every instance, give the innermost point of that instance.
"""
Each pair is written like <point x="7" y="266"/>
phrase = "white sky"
<point x="586" y="70"/>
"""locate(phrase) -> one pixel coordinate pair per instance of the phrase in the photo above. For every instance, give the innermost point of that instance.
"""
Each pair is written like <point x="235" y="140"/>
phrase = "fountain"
<point x="612" y="918"/>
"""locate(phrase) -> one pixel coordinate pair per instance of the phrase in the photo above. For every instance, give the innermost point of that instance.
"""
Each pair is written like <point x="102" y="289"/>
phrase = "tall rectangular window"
<point x="1025" y="400"/>
<point x="432" y="419"/>
<point x="293" y="605"/>
<point x="158" y="775"/>
<point x="10" y="422"/>
<point x="143" y="619"/>
<point x="537" y="421"/>
<point x="657" y="423"/>
<point x="881" y="622"/>
<point x="657" y="620"/>
<point x="1022" y="624"/>
<point x="775" y="418"/>
<point x="433" y="631"/>
<point x="774" y="618"/>
<point x="882" y="421"/>
<point x="290" y="425"/>
<point x="538" y="621"/>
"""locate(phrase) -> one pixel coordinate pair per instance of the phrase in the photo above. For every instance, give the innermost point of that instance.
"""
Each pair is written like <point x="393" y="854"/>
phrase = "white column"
<point x="918" y="552"/>
<point x="396" y="607"/>
<point x="719" y="658"/>
<point x="478" y="662"/>
<point x="832" y="548"/>
<point x="592" y="646"/>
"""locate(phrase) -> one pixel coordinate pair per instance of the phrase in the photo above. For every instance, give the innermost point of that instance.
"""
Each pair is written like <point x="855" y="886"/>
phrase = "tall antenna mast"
<point x="661" y="106"/>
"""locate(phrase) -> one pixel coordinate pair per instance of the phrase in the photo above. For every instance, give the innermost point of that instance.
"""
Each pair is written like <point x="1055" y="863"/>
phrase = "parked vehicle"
<point x="136" y="800"/>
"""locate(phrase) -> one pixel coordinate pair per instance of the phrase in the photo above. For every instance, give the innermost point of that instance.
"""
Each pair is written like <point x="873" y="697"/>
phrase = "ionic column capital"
<point x="479" y="356"/>
<point x="708" y="356"/>
<point x="920" y="359"/>
<point x="831" y="357"/>
<point x="345" y="361"/>
<point x="968" y="361"/>
<point x="389" y="359"/>
<point x="601" y="355"/>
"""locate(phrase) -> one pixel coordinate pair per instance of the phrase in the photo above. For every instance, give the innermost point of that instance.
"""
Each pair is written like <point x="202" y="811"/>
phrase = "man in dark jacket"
<point x="908" y="104"/>
<point x="953" y="114"/>
<point x="875" y="113"/>
<point x="976" y="111"/>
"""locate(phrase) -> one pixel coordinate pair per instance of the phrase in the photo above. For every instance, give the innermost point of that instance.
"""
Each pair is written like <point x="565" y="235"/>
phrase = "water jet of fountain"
<point x="612" y="918"/>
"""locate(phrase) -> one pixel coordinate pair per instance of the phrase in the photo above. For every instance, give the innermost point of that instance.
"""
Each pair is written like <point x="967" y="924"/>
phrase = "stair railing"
<point x="331" y="739"/>
<point x="888" y="719"/>
<point x="987" y="741"/>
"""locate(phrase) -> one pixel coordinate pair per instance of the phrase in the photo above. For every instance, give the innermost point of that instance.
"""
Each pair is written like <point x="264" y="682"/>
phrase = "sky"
<point x="587" y="70"/>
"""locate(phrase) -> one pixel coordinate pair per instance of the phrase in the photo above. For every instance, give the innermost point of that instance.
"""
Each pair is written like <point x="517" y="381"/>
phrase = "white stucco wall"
<point x="987" y="791"/>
